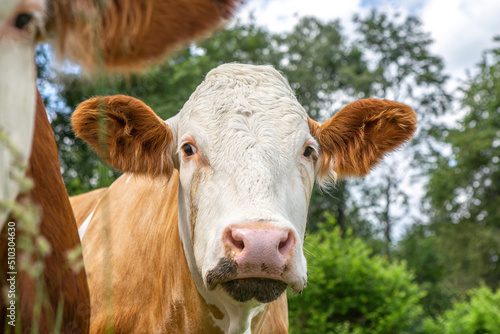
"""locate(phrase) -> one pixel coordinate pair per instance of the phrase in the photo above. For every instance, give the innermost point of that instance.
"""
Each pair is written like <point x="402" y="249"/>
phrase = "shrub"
<point x="352" y="291"/>
<point x="479" y="314"/>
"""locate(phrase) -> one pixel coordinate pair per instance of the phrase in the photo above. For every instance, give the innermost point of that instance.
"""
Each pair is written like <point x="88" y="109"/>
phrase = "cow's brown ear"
<point x="358" y="136"/>
<point x="126" y="133"/>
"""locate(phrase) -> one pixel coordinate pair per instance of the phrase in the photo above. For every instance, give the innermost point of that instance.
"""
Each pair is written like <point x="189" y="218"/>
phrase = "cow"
<point x="204" y="231"/>
<point x="115" y="35"/>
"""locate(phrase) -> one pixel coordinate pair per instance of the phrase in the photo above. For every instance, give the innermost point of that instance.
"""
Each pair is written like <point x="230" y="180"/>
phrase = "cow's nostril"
<point x="286" y="244"/>
<point x="239" y="244"/>
<point x="236" y="241"/>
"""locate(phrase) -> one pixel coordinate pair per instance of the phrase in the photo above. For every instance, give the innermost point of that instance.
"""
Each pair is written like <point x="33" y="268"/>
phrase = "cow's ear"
<point x="126" y="133"/>
<point x="358" y="136"/>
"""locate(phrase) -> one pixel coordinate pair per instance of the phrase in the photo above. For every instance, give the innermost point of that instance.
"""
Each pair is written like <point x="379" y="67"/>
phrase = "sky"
<point x="462" y="29"/>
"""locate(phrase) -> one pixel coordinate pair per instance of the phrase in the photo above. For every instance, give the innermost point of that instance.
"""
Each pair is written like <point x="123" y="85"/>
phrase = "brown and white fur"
<point x="229" y="178"/>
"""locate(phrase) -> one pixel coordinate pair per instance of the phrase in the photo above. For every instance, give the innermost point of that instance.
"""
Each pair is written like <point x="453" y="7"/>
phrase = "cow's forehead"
<point x="247" y="90"/>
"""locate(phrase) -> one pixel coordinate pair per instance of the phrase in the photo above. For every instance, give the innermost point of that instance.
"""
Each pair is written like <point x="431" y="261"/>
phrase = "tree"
<point x="464" y="188"/>
<point x="409" y="73"/>
<point x="322" y="67"/>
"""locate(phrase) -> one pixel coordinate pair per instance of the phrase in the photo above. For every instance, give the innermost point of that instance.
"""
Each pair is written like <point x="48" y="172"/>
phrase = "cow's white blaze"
<point x="249" y="133"/>
<point x="17" y="90"/>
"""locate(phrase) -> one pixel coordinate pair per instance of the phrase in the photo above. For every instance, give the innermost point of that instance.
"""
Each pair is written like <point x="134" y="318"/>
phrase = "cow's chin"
<point x="245" y="286"/>
<point x="264" y="290"/>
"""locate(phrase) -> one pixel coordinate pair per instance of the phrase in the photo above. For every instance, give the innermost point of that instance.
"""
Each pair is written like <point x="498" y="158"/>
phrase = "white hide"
<point x="250" y="132"/>
<point x="17" y="90"/>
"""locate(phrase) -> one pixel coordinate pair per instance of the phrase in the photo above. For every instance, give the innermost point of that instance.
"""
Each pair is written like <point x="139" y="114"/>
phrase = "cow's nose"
<point x="267" y="248"/>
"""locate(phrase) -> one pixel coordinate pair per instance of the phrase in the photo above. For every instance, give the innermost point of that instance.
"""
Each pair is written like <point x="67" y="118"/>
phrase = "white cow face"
<point x="247" y="156"/>
<point x="20" y="22"/>
<point x="246" y="160"/>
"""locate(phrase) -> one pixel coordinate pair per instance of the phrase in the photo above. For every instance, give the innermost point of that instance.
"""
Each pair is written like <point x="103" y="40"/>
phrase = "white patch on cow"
<point x="242" y="317"/>
<point x="250" y="131"/>
<point x="17" y="92"/>
<point x="238" y="318"/>
<point x="84" y="227"/>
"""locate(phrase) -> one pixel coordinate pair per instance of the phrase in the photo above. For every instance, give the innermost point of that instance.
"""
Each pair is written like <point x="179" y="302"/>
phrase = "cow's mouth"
<point x="264" y="290"/>
<point x="243" y="289"/>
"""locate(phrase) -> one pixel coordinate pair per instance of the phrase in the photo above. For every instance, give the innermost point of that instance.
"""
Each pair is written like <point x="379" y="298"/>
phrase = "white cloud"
<point x="462" y="30"/>
<point x="282" y="15"/>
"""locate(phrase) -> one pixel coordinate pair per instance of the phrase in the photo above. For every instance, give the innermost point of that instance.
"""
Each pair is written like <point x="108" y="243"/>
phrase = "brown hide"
<point x="141" y="256"/>
<point x="58" y="226"/>
<point x="129" y="34"/>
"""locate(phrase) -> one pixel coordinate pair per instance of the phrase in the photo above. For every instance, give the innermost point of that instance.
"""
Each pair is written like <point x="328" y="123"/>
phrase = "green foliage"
<point x="464" y="188"/>
<point x="319" y="62"/>
<point x="400" y="41"/>
<point x="420" y="249"/>
<point x="479" y="314"/>
<point x="473" y="171"/>
<point x="352" y="291"/>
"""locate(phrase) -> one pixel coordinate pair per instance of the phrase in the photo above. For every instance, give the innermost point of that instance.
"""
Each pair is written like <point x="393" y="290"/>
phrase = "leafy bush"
<point x="479" y="314"/>
<point x="352" y="291"/>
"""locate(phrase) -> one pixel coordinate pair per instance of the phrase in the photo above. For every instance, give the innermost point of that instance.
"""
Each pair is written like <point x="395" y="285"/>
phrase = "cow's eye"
<point x="308" y="151"/>
<point x="189" y="149"/>
<point x="22" y="20"/>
